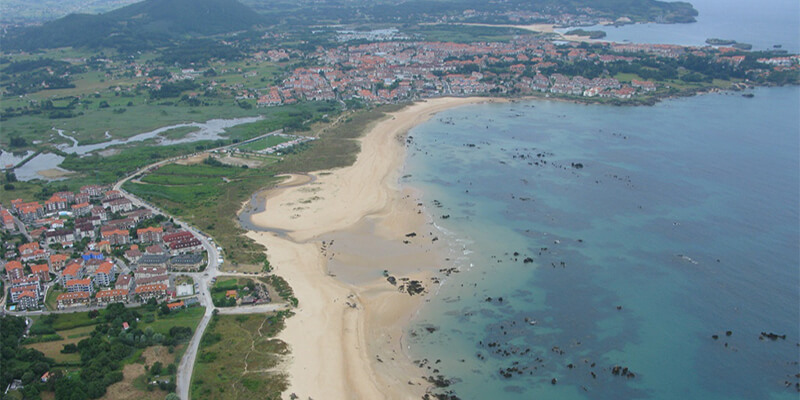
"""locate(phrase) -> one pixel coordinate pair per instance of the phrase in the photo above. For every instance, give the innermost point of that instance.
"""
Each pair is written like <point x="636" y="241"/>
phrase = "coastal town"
<point x="401" y="70"/>
<point x="92" y="248"/>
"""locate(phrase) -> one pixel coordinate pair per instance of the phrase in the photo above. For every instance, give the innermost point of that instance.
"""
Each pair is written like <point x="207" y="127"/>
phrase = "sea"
<point x="614" y="252"/>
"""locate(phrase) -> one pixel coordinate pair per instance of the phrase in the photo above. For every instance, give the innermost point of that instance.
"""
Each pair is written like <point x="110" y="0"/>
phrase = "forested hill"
<point x="139" y="25"/>
<point x="305" y="12"/>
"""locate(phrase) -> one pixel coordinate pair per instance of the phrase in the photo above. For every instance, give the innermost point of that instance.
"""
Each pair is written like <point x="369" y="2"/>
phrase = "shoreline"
<point x="335" y="239"/>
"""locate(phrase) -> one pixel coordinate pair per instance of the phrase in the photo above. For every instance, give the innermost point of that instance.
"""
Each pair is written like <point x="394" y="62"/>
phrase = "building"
<point x="124" y="282"/>
<point x="158" y="279"/>
<point x="105" y="274"/>
<point x="17" y="291"/>
<point x="146" y="292"/>
<point x="149" y="272"/>
<point x="116" y="236"/>
<point x="94" y="191"/>
<point x="153" y="260"/>
<point x="186" y="262"/>
<point x="28" y="300"/>
<point x="176" y="306"/>
<point x="14" y="270"/>
<point x="184" y="246"/>
<point x="59" y="236"/>
<point x="58" y="262"/>
<point x="42" y="271"/>
<point x="119" y="205"/>
<point x="133" y="255"/>
<point x="65" y="300"/>
<point x="74" y="270"/>
<point x="150" y="234"/>
<point x="79" y="285"/>
<point x="112" y="296"/>
<point x="7" y="221"/>
<point x="81" y="209"/>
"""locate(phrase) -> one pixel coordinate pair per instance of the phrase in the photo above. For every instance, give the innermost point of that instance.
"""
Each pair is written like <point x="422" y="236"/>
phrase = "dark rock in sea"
<point x="392" y="280"/>
<point x="748" y="95"/>
<point x="527" y="260"/>
<point x="715" y="337"/>
<point x="728" y="333"/>
<point x="431" y="329"/>
<point x="577" y="165"/>
<point x="554" y="381"/>
<point x="771" y="336"/>
<point x="446" y="216"/>
<point x="412" y="234"/>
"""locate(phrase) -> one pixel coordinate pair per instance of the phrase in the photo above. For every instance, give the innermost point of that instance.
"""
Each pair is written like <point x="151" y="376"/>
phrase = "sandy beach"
<point x="343" y="229"/>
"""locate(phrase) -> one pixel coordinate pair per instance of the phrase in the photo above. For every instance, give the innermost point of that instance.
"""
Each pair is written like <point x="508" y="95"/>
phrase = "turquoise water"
<point x="683" y="223"/>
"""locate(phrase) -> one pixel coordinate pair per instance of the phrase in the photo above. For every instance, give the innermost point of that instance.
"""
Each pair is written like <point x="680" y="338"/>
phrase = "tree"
<point x="155" y="369"/>
<point x="172" y="396"/>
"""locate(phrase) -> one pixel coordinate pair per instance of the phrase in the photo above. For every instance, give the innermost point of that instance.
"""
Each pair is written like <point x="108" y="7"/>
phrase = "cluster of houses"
<point x="96" y="248"/>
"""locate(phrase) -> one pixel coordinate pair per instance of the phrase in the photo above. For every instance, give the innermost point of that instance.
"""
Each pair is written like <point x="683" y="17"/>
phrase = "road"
<point x="203" y="279"/>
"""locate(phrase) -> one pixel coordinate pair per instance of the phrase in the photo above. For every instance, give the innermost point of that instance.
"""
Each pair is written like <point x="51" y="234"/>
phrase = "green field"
<point x="264" y="143"/>
<point x="237" y="358"/>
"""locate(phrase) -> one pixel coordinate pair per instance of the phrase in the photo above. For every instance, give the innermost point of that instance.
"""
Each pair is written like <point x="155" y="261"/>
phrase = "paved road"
<point x="203" y="279"/>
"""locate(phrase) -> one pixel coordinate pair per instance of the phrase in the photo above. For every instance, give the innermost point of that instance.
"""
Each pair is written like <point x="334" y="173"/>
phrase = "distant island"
<point x="728" y="42"/>
<point x="585" y="33"/>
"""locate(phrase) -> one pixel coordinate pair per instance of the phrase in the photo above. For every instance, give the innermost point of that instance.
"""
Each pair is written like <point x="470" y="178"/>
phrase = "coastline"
<point x="334" y="236"/>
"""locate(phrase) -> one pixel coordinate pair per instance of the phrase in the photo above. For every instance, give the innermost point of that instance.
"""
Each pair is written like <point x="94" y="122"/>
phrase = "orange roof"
<point x="151" y="288"/>
<point x="134" y="247"/>
<point x="55" y="258"/>
<point x="28" y="293"/>
<point x="72" y="269"/>
<point x="28" y="246"/>
<point x="111" y="293"/>
<point x="149" y="229"/>
<point x="103" y="243"/>
<point x="230" y="293"/>
<point x="114" y="232"/>
<point x="174" y="305"/>
<point x="13" y="265"/>
<point x="105" y="268"/>
<point x="73" y="295"/>
<point x="40" y="268"/>
<point x="85" y="281"/>
<point x="78" y="206"/>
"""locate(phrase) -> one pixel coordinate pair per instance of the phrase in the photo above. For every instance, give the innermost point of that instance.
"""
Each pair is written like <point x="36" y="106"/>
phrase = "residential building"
<point x="152" y="280"/>
<point x="105" y="274"/>
<point x="59" y="236"/>
<point x="74" y="299"/>
<point x="72" y="271"/>
<point x="153" y="260"/>
<point x="58" y="262"/>
<point x="17" y="291"/>
<point x="112" y="296"/>
<point x="119" y="205"/>
<point x="186" y="262"/>
<point x="149" y="272"/>
<point x="42" y="271"/>
<point x="14" y="270"/>
<point x="176" y="306"/>
<point x="28" y="300"/>
<point x="146" y="292"/>
<point x="116" y="236"/>
<point x="124" y="282"/>
<point x="150" y="234"/>
<point x="7" y="221"/>
<point x="79" y="285"/>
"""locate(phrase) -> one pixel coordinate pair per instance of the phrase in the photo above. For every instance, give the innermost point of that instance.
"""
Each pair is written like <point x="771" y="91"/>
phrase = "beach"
<point x="342" y="234"/>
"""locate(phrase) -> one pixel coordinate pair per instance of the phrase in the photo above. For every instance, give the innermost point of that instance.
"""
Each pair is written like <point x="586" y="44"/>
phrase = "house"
<point x="177" y="236"/>
<point x="148" y="272"/>
<point x="116" y="236"/>
<point x="79" y="285"/>
<point x="32" y="212"/>
<point x="112" y="296"/>
<point x="65" y="300"/>
<point x="119" y="205"/>
<point x="73" y="270"/>
<point x="14" y="270"/>
<point x="124" y="282"/>
<point x="81" y="209"/>
<point x="183" y="246"/>
<point x="94" y="191"/>
<point x="112" y="195"/>
<point x="42" y="271"/>
<point x="152" y="280"/>
<point x="103" y="245"/>
<point x="133" y="255"/>
<point x="105" y="274"/>
<point x="69" y="197"/>
<point x="7" y="221"/>
<point x="55" y="204"/>
<point x="31" y="251"/>
<point x="186" y="262"/>
<point x="139" y="215"/>
<point x="59" y="236"/>
<point x="99" y="212"/>
<point x="176" y="306"/>
<point x="58" y="262"/>
<point x="150" y="234"/>
<point x="155" y="249"/>
<point x="153" y="260"/>
<point x="146" y="292"/>
<point x="18" y="289"/>
<point x="230" y="293"/>
<point x="28" y="300"/>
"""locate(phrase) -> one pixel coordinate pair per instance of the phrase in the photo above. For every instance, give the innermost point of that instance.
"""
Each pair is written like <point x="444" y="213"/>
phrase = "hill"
<point x="139" y="25"/>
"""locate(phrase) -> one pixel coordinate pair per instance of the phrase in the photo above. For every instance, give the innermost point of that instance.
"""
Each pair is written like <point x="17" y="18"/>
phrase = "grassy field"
<point x="237" y="358"/>
<point x="53" y="349"/>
